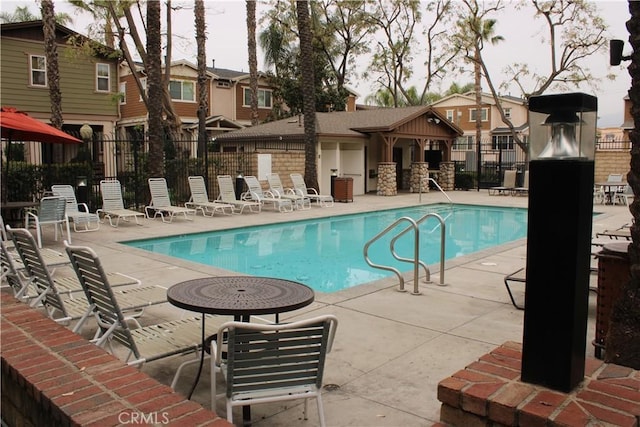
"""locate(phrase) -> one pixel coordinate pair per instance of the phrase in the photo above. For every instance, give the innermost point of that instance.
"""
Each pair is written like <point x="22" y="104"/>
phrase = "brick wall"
<point x="489" y="393"/>
<point x="53" y="377"/>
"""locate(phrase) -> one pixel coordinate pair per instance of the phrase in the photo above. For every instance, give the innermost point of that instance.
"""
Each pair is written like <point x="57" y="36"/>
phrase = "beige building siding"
<point x="608" y="162"/>
<point x="77" y="81"/>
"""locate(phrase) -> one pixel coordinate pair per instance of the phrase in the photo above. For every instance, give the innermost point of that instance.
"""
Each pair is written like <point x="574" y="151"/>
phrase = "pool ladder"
<point x="413" y="225"/>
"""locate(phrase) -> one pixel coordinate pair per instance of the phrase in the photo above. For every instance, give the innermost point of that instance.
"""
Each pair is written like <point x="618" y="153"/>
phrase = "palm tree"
<point x="154" y="90"/>
<point x="308" y="93"/>
<point x="201" y="38"/>
<point x="53" y="74"/>
<point x="623" y="337"/>
<point x="23" y="14"/>
<point x="253" y="60"/>
<point x="479" y="30"/>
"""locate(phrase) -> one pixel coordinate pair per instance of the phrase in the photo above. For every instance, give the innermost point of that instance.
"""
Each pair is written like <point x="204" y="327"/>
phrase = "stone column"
<point x="447" y="176"/>
<point x="387" y="184"/>
<point x="419" y="177"/>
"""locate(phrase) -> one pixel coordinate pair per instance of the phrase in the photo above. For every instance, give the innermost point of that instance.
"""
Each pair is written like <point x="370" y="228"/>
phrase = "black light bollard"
<point x="239" y="185"/>
<point x="562" y="149"/>
<point x="334" y="175"/>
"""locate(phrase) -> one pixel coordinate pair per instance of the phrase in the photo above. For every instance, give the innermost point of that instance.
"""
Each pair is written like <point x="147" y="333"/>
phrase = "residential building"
<point x="497" y="139"/>
<point x="228" y="99"/>
<point x="88" y="84"/>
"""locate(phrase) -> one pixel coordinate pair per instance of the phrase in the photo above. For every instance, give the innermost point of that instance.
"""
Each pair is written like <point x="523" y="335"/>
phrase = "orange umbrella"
<point x="19" y="126"/>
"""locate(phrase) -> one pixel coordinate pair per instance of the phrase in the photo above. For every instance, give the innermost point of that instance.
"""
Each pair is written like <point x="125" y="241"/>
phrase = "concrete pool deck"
<point x="391" y="349"/>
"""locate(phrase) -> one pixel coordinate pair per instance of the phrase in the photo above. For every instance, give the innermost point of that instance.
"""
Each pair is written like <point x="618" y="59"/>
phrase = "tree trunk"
<point x="253" y="60"/>
<point x="203" y="108"/>
<point x="478" y="89"/>
<point x="154" y="90"/>
<point x="623" y="337"/>
<point x="53" y="75"/>
<point x="308" y="94"/>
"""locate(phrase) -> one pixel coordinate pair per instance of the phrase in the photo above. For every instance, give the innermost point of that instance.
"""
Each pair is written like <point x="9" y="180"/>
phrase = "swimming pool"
<point x="326" y="254"/>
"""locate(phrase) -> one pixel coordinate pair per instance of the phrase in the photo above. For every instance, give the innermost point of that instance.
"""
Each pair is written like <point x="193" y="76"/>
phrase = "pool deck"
<point x="391" y="348"/>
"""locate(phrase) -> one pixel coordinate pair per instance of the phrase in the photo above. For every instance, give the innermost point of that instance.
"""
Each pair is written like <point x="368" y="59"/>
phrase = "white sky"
<point x="227" y="44"/>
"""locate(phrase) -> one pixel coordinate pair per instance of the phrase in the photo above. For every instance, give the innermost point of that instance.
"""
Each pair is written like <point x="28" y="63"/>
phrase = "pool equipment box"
<point x="562" y="150"/>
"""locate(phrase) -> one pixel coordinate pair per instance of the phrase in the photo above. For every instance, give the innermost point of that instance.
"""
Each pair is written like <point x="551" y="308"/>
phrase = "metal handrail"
<point x="441" y="190"/>
<point x="442" y="248"/>
<point x="413" y="225"/>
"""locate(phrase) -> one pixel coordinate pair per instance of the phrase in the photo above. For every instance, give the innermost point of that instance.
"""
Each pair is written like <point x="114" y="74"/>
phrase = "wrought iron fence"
<point x="126" y="160"/>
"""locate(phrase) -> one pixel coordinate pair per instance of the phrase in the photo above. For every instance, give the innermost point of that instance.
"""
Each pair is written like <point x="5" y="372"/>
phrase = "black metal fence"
<point x="126" y="160"/>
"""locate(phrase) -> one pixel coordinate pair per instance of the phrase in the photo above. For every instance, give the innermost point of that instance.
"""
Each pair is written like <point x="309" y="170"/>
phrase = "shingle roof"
<point x="340" y="123"/>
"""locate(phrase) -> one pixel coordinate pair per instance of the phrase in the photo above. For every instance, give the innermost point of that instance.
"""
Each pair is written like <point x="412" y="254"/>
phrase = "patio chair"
<point x="256" y="194"/>
<point x="228" y="195"/>
<point x="64" y="307"/>
<point x="300" y="201"/>
<point x="18" y="282"/>
<point x="113" y="204"/>
<point x="52" y="211"/>
<point x="145" y="344"/>
<point x="77" y="213"/>
<point x="272" y="362"/>
<point x="200" y="199"/>
<point x="524" y="190"/>
<point x="161" y="203"/>
<point x="508" y="184"/>
<point x="300" y="187"/>
<point x="624" y="196"/>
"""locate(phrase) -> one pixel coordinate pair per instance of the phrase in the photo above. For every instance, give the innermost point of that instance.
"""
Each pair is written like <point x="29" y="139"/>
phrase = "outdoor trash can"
<point x="613" y="274"/>
<point x="343" y="188"/>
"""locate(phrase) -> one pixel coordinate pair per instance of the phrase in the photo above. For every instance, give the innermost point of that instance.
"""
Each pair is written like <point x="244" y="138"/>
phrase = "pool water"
<point x="327" y="254"/>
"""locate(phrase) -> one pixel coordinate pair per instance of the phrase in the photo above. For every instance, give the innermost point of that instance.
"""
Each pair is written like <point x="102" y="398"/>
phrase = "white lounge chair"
<point x="273" y="362"/>
<point x="228" y="195"/>
<point x="508" y="184"/>
<point x="78" y="213"/>
<point x="113" y="204"/>
<point x="299" y="201"/>
<point x="161" y="203"/>
<point x="256" y="194"/>
<point x="65" y="307"/>
<point x="145" y="344"/>
<point x="301" y="188"/>
<point x="200" y="199"/>
<point x="50" y="212"/>
<point x="524" y="190"/>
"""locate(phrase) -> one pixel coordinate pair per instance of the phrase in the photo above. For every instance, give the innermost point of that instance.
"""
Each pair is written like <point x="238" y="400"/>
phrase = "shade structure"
<point x="19" y="126"/>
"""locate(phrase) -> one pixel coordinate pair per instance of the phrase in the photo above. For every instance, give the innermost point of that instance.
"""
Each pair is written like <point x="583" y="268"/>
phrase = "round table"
<point x="240" y="296"/>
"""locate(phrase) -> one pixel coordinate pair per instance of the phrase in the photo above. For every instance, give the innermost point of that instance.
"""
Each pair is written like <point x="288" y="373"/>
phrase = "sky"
<point x="227" y="45"/>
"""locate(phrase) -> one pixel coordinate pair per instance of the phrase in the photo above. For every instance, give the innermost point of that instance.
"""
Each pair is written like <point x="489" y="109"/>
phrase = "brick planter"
<point x="489" y="392"/>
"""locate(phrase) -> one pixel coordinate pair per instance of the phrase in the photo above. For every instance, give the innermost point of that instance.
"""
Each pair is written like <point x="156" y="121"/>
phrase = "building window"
<point x="484" y="117"/>
<point x="449" y="114"/>
<point x="143" y="82"/>
<point x="181" y="90"/>
<point x="123" y="93"/>
<point x="502" y="142"/>
<point x="38" y="66"/>
<point x="103" y="77"/>
<point x="507" y="113"/>
<point x="464" y="143"/>
<point x="264" y="98"/>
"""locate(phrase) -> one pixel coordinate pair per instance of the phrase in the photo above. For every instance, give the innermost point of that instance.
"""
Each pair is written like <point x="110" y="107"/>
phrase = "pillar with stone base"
<point x="419" y="182"/>
<point x="387" y="181"/>
<point x="447" y="176"/>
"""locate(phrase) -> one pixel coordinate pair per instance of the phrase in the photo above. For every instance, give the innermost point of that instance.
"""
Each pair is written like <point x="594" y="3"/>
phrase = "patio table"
<point x="241" y="297"/>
